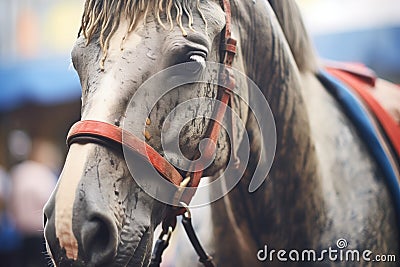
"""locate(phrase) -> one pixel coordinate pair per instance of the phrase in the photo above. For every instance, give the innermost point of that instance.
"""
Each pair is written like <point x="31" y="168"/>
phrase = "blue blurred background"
<point x="35" y="39"/>
<point x="365" y="31"/>
<point x="39" y="100"/>
<point x="37" y="35"/>
<point x="40" y="91"/>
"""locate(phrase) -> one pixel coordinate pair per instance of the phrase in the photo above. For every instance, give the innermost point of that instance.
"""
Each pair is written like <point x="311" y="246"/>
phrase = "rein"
<point x="109" y="135"/>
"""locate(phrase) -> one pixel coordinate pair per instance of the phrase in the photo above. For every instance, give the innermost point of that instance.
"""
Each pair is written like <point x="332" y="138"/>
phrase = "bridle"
<point x="109" y="135"/>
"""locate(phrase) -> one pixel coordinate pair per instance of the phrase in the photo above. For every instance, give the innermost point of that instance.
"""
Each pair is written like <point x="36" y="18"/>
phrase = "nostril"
<point x="102" y="235"/>
<point x="99" y="240"/>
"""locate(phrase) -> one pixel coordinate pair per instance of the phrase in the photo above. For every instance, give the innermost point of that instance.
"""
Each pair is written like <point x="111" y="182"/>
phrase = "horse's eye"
<point x="199" y="59"/>
<point x="197" y="63"/>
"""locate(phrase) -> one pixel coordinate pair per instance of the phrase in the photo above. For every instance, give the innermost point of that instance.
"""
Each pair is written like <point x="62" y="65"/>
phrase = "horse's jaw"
<point x="133" y="249"/>
<point x="96" y="217"/>
<point x="135" y="252"/>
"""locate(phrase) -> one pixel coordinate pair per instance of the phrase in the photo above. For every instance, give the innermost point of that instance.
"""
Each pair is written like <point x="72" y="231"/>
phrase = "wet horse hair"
<point x="103" y="17"/>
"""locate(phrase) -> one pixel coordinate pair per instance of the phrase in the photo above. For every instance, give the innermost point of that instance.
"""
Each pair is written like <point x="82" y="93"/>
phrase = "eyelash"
<point x="185" y="54"/>
<point x="198" y="58"/>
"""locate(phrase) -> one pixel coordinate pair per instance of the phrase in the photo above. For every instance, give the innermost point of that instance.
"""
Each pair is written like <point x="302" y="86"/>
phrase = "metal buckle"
<point x="179" y="193"/>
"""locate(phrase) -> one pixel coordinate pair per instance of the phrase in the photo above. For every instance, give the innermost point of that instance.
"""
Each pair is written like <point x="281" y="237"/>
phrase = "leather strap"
<point x="88" y="131"/>
<point x="204" y="258"/>
<point x="228" y="83"/>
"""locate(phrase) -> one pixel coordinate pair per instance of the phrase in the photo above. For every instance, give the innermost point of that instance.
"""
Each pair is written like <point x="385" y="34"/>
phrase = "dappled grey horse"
<point x="323" y="186"/>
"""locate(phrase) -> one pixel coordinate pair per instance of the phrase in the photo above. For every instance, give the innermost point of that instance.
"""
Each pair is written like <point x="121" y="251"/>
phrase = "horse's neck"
<point x="273" y="67"/>
<point x="292" y="191"/>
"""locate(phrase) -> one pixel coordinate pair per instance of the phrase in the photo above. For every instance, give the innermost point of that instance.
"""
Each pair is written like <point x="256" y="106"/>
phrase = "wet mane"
<point x="291" y="21"/>
<point x="103" y="17"/>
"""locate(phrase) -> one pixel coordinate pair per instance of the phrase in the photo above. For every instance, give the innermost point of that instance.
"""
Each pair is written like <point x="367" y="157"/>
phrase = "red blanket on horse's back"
<point x="381" y="98"/>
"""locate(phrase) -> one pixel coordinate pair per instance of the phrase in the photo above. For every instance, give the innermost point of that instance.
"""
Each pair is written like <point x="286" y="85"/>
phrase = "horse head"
<point x="324" y="185"/>
<point x="98" y="215"/>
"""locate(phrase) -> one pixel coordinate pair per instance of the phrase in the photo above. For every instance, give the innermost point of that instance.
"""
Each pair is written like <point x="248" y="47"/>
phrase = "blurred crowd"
<point x="24" y="190"/>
